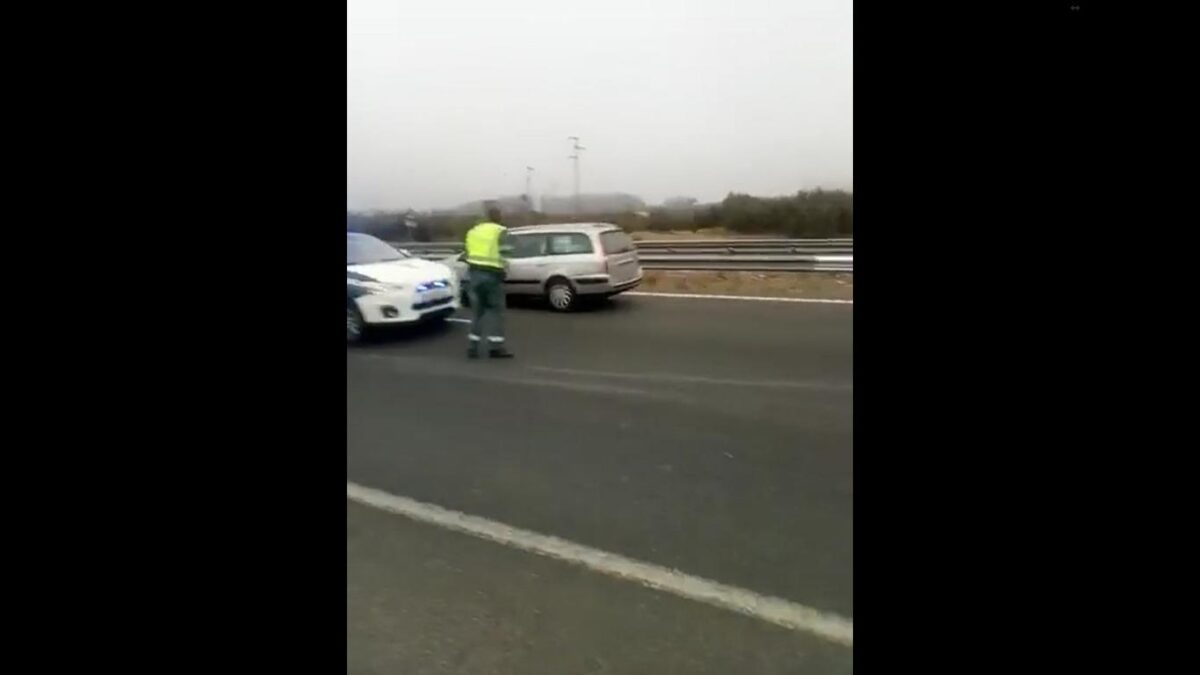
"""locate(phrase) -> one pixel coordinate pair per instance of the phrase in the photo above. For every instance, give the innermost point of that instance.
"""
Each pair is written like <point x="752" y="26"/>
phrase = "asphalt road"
<point x="711" y="436"/>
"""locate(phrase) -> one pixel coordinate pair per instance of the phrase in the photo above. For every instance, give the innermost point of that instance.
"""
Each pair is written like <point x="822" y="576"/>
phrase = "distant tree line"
<point x="806" y="214"/>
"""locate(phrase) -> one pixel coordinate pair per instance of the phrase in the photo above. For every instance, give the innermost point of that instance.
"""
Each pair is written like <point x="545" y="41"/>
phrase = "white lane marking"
<point x="455" y="319"/>
<point x="774" y="610"/>
<point x="823" y="301"/>
<point x="696" y="379"/>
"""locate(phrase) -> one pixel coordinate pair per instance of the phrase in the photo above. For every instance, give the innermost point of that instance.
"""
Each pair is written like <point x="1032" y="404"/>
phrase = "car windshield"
<point x="362" y="249"/>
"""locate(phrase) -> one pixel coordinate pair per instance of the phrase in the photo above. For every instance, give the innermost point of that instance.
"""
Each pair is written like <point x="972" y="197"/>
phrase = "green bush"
<point x="813" y="214"/>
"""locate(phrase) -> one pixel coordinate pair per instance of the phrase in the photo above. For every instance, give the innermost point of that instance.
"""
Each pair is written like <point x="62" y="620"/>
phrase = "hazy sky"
<point x="449" y="100"/>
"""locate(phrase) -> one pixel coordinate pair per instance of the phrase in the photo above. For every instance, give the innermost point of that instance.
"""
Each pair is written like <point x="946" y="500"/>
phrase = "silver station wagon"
<point x="566" y="262"/>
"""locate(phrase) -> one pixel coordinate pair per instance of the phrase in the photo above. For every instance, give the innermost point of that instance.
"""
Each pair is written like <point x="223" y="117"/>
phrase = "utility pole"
<point x="576" y="147"/>
<point x="528" y="195"/>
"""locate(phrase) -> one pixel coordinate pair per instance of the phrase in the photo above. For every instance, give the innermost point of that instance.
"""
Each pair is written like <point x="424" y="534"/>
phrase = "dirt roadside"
<point x="819" y="285"/>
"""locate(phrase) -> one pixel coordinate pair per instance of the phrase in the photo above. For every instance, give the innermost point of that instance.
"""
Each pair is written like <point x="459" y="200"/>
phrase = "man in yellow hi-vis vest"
<point x="485" y="246"/>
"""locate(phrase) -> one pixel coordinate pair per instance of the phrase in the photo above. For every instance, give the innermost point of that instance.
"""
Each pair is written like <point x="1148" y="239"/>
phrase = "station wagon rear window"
<point x="616" y="241"/>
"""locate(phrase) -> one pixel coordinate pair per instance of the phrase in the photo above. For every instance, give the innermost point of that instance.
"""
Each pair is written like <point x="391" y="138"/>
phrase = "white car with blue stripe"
<point x="386" y="286"/>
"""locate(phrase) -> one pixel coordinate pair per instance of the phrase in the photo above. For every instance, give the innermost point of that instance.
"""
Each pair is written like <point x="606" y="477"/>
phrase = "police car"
<point x="386" y="286"/>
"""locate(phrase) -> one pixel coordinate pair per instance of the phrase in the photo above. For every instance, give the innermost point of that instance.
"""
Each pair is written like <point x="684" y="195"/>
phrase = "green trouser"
<point x="487" y="304"/>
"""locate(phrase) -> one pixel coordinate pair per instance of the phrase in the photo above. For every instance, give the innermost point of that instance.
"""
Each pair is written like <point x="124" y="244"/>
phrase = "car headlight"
<point x="434" y="285"/>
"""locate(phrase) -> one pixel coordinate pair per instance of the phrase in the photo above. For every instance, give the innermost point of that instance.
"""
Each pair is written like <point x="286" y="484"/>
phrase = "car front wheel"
<point x="355" y="326"/>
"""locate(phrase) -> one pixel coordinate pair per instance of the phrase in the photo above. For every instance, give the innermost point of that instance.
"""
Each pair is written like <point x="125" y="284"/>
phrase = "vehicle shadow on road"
<point x="400" y="335"/>
<point x="585" y="306"/>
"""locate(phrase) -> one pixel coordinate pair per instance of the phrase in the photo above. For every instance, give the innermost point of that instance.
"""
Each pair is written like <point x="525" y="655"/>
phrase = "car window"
<point x="569" y="244"/>
<point x="616" y="241"/>
<point x="363" y="249"/>
<point x="527" y="245"/>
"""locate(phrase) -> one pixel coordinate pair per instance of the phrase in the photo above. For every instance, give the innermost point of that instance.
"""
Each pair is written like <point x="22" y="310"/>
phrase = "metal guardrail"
<point x="744" y="245"/>
<point x="743" y="255"/>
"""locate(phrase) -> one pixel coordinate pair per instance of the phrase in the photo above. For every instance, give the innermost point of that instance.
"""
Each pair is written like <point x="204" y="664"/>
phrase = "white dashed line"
<point x="823" y="301"/>
<point x="455" y="319"/>
<point x="696" y="379"/>
<point x="774" y="610"/>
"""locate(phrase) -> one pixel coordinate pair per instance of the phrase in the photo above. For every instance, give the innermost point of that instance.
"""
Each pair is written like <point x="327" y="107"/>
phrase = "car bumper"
<point x="603" y="285"/>
<point x="383" y="309"/>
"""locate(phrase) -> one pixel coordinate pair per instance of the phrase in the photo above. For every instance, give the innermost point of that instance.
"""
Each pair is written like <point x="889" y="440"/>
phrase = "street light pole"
<point x="528" y="195"/>
<point x="576" y="147"/>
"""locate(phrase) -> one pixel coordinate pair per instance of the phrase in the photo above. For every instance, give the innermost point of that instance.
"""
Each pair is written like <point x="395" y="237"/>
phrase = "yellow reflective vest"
<point x="483" y="245"/>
